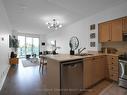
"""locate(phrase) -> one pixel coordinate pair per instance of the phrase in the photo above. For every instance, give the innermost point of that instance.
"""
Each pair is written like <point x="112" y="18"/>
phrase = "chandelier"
<point x="54" y="24"/>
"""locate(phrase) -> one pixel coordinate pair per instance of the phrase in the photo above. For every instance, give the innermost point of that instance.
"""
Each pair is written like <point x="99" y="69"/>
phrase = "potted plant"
<point x="15" y="45"/>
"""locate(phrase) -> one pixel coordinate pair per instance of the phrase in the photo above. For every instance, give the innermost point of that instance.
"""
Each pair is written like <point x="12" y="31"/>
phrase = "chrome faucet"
<point x="80" y="50"/>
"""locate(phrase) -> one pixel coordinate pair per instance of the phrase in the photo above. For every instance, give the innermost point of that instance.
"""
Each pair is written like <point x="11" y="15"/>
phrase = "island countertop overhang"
<point x="68" y="57"/>
<point x="62" y="57"/>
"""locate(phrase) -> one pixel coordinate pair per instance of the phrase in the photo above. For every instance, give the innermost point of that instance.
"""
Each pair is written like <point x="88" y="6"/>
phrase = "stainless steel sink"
<point x="83" y="54"/>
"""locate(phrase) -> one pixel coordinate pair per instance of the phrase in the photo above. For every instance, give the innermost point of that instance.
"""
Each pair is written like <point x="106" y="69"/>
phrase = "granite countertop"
<point x="67" y="57"/>
<point x="62" y="57"/>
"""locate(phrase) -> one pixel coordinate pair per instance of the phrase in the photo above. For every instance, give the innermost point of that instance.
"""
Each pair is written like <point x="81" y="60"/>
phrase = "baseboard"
<point x="4" y="77"/>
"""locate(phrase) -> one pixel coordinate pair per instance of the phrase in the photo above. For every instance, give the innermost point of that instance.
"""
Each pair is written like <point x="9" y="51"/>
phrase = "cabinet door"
<point x="102" y="66"/>
<point x="97" y="71"/>
<point x="99" y="65"/>
<point x="116" y="30"/>
<point x="104" y="32"/>
<point x="125" y="24"/>
<point x="113" y="67"/>
<point x="88" y="74"/>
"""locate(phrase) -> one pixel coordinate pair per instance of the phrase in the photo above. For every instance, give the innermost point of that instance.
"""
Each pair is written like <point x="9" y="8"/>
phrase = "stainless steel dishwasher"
<point x="71" y="80"/>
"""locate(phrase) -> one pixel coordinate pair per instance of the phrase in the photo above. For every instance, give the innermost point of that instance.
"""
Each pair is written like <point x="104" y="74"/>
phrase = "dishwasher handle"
<point x="72" y="62"/>
<point x="72" y="66"/>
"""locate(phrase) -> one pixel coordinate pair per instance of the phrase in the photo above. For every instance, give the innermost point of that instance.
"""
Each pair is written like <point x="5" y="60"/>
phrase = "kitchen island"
<point x="64" y="72"/>
<point x="95" y="68"/>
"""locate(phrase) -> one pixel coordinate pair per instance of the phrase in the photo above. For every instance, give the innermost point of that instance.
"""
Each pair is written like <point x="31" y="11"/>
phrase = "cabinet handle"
<point x="112" y="58"/>
<point x="112" y="63"/>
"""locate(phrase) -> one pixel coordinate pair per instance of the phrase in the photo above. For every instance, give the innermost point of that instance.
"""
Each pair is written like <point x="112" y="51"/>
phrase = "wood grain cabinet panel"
<point x="112" y="67"/>
<point x="102" y="67"/>
<point x="97" y="68"/>
<point x="98" y="73"/>
<point x="116" y="30"/>
<point x="124" y="24"/>
<point x="94" y="70"/>
<point x="104" y="32"/>
<point x="111" y="31"/>
<point x="88" y="74"/>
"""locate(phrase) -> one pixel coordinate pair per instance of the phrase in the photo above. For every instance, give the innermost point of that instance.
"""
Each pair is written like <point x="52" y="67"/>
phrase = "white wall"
<point x="82" y="31"/>
<point x="5" y="30"/>
<point x="42" y="39"/>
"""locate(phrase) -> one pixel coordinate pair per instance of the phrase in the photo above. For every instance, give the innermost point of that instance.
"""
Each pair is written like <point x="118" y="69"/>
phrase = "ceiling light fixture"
<point x="54" y="24"/>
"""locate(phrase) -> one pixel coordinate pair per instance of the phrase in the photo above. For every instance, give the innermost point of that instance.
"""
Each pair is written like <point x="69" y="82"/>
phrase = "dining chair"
<point x="43" y="63"/>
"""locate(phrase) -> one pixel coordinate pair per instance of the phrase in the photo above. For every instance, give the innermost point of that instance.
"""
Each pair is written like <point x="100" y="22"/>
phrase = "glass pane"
<point x="21" y="49"/>
<point x="125" y="70"/>
<point x="29" y="45"/>
<point x="36" y="46"/>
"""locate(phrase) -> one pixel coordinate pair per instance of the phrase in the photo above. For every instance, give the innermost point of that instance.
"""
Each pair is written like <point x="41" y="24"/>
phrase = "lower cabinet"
<point x="88" y="73"/>
<point x="112" y="67"/>
<point x="94" y="70"/>
<point x="97" y="68"/>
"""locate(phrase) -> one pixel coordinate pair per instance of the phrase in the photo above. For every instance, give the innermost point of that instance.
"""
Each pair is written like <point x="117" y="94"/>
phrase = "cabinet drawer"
<point x="113" y="67"/>
<point x="88" y="59"/>
<point x="93" y="57"/>
<point x="114" y="58"/>
<point x="113" y="72"/>
<point x="113" y="77"/>
<point x="113" y="63"/>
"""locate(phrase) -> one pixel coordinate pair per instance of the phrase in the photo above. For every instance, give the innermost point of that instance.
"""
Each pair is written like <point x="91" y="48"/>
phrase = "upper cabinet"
<point x="111" y="30"/>
<point x="116" y="30"/>
<point x="104" y="32"/>
<point x="125" y="24"/>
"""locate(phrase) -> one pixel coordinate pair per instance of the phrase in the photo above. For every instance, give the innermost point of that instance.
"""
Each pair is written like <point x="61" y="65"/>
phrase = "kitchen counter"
<point x="62" y="57"/>
<point x="67" y="57"/>
<point x="58" y="72"/>
<point x="54" y="69"/>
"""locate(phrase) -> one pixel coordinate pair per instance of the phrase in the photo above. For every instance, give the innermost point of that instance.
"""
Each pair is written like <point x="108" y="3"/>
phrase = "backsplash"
<point x="120" y="46"/>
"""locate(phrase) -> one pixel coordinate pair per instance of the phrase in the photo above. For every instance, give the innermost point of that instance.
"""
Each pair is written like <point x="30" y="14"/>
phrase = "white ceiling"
<point x="27" y="15"/>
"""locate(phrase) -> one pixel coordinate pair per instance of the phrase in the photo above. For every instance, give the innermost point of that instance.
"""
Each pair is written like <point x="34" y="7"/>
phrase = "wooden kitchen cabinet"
<point x="101" y="66"/>
<point x="124" y="24"/>
<point x="116" y="30"/>
<point x="104" y="34"/>
<point x="112" y="62"/>
<point x="94" y="70"/>
<point x="111" y="30"/>
<point x="88" y="73"/>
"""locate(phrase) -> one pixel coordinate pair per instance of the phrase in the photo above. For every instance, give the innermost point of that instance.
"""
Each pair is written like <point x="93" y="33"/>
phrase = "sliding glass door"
<point x="21" y="49"/>
<point x="28" y="46"/>
<point x="35" y="48"/>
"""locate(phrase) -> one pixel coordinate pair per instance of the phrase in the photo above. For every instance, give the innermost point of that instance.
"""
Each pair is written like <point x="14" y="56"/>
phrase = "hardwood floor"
<point x="106" y="88"/>
<point x="30" y="81"/>
<point x="23" y="81"/>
